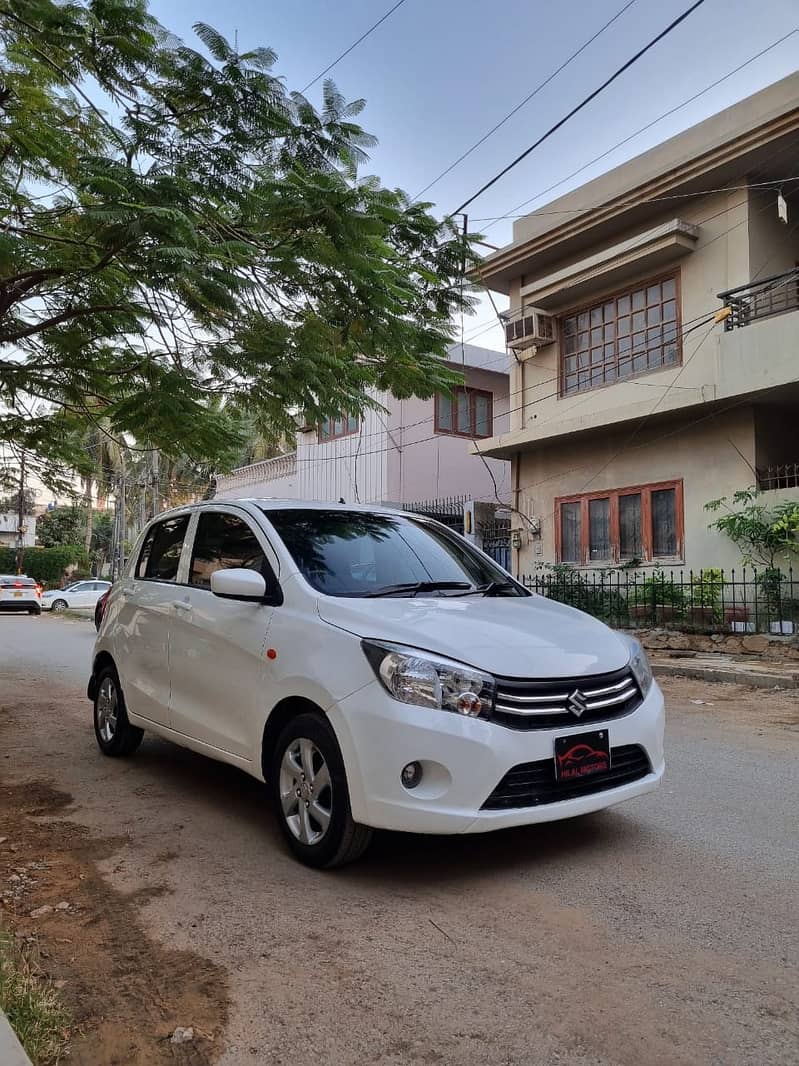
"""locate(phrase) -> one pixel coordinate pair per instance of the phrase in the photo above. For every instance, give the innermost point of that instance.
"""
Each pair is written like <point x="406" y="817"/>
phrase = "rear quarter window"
<point x="159" y="558"/>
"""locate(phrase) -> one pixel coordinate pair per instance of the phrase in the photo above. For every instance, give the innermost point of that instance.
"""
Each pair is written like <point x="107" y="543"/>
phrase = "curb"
<point x="732" y="676"/>
<point x="11" y="1051"/>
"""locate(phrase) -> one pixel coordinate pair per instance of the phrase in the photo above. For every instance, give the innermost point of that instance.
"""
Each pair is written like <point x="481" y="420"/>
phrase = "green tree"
<point x="180" y="229"/>
<point x="764" y="534"/>
<point x="10" y="502"/>
<point x="61" y="526"/>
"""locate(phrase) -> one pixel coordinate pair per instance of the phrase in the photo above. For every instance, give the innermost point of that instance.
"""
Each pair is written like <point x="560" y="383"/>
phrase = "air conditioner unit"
<point x="528" y="326"/>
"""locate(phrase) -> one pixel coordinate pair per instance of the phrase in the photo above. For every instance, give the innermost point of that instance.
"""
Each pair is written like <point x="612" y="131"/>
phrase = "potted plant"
<point x="770" y="583"/>
<point x="765" y="536"/>
<point x="657" y="599"/>
<point x="704" y="598"/>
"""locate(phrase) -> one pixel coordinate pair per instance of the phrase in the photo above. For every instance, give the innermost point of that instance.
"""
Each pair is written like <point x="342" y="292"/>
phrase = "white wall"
<point x="8" y="530"/>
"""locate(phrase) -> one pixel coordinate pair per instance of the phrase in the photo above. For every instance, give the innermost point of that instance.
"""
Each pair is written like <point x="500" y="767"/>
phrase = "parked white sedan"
<point x="79" y="596"/>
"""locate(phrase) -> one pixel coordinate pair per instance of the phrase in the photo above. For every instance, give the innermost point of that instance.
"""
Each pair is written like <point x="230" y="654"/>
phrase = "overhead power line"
<point x="354" y="45"/>
<point x="648" y="126"/>
<point x="526" y="100"/>
<point x="583" y="103"/>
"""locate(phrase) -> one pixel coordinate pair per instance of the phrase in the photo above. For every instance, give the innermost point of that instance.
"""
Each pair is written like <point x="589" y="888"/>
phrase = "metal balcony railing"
<point x="784" y="476"/>
<point x="761" y="299"/>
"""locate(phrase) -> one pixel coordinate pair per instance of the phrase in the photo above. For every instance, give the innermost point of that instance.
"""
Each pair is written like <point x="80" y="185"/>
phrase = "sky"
<point x="438" y="74"/>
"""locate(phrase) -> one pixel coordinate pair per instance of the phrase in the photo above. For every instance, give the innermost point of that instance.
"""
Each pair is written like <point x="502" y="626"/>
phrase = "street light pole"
<point x="21" y="514"/>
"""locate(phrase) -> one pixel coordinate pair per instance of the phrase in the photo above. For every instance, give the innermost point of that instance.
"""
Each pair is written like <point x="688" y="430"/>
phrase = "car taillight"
<point x="39" y="590"/>
<point x="18" y="585"/>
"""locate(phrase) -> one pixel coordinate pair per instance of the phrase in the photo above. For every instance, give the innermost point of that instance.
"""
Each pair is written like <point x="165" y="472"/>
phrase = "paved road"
<point x="662" y="932"/>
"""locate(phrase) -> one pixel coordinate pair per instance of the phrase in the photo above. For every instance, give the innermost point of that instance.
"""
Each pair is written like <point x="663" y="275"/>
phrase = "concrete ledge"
<point x="11" y="1051"/>
<point x="732" y="673"/>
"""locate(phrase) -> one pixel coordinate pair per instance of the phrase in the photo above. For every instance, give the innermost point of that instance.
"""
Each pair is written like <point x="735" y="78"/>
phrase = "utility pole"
<point x="21" y="514"/>
<point x="123" y="520"/>
<point x="156" y="498"/>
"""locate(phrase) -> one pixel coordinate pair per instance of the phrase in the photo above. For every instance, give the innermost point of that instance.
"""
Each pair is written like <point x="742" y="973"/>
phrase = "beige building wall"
<point x="713" y="458"/>
<point x="719" y="261"/>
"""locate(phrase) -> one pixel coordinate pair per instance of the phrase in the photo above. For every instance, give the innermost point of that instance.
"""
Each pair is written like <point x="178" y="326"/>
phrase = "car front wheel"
<point x="115" y="735"/>
<point x="309" y="785"/>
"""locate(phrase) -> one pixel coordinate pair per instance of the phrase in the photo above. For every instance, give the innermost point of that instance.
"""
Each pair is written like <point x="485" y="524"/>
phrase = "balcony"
<point x="761" y="299"/>
<point x="257" y="477"/>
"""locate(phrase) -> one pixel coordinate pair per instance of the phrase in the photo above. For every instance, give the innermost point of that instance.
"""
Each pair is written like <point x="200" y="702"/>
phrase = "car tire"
<point x="312" y="800"/>
<point x="116" y="737"/>
<point x="58" y="605"/>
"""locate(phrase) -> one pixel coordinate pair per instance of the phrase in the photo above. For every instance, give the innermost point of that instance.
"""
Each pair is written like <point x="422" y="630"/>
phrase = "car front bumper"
<point x="464" y="759"/>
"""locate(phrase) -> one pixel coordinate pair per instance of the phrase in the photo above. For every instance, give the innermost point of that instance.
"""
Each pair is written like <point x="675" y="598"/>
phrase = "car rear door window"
<point x="224" y="541"/>
<point x="160" y="554"/>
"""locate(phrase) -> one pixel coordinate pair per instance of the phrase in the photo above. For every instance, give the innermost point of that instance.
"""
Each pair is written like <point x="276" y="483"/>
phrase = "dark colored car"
<point x="99" y="609"/>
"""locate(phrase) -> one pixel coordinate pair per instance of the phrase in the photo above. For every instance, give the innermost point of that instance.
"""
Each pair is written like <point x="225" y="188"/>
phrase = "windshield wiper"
<point x="419" y="586"/>
<point x="493" y="587"/>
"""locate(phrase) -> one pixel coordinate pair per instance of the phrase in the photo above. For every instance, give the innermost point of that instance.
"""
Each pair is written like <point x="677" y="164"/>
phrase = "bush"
<point x="45" y="565"/>
<point x="598" y="598"/>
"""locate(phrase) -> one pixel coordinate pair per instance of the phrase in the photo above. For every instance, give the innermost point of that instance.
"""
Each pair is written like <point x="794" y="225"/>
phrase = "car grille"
<point x="532" y="784"/>
<point x="545" y="704"/>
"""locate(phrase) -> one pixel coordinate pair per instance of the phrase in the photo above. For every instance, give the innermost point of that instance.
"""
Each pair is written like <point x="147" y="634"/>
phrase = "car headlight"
<point x="640" y="666"/>
<point x="427" y="680"/>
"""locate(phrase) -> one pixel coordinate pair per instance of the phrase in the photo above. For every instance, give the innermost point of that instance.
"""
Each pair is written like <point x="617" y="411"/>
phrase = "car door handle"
<point x="181" y="605"/>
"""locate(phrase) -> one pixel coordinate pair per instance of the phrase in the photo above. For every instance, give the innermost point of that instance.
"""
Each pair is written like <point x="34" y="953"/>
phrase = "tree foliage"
<point x="61" y="525"/>
<point x="47" y="565"/>
<point x="181" y="237"/>
<point x="765" y="535"/>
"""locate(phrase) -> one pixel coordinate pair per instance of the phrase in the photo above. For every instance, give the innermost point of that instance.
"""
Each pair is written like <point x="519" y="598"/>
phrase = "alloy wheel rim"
<point x="107" y="710"/>
<point x="306" y="791"/>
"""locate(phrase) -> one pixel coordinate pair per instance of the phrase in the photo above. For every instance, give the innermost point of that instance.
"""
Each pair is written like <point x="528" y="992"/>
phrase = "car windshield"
<point x="351" y="553"/>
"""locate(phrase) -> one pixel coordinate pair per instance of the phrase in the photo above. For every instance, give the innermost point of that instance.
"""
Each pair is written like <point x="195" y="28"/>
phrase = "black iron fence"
<point x="704" y="601"/>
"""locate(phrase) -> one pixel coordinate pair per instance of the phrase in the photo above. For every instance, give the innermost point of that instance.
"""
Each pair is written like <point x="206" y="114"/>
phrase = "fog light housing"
<point x="411" y="775"/>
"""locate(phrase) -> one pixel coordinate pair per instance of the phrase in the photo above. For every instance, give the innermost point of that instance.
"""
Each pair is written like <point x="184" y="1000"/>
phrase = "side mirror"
<point x="238" y="584"/>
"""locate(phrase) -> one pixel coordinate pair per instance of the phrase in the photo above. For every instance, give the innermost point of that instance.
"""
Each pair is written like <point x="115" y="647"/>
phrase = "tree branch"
<point x="56" y="320"/>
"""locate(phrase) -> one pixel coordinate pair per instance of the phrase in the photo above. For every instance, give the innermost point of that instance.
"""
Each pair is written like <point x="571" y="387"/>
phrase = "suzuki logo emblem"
<point x="577" y="704"/>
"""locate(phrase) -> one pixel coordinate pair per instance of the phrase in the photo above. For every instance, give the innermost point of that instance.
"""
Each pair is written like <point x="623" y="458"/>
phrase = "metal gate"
<point x="494" y="539"/>
<point x="448" y="510"/>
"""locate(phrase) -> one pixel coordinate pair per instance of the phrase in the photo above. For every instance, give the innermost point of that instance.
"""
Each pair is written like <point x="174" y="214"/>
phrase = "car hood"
<point x="511" y="637"/>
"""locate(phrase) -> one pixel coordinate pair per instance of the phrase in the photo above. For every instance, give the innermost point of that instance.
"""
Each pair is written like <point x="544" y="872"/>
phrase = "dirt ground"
<point x="126" y="992"/>
<point x="661" y="932"/>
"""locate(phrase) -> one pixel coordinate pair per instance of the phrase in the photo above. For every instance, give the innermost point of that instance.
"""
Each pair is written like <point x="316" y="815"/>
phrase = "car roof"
<point x="268" y="503"/>
<point x="16" y="577"/>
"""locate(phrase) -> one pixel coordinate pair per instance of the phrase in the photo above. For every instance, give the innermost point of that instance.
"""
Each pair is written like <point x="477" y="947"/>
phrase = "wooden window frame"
<point x="332" y="435"/>
<point x="627" y="290"/>
<point x="613" y="495"/>
<point x="472" y="394"/>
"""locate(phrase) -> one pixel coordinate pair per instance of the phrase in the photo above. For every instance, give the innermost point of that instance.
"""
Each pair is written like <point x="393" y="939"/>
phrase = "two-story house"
<point x="403" y="452"/>
<point x="633" y="407"/>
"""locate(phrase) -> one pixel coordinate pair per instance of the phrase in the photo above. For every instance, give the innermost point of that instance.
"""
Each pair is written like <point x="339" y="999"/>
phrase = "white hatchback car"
<point x="375" y="669"/>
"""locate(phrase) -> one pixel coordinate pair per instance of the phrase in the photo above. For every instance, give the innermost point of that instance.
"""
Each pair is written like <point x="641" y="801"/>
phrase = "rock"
<point x="40" y="911"/>
<point x="717" y="638"/>
<point x="3" y="840"/>
<point x="62" y="906"/>
<point x="182" y="1036"/>
<point x="15" y="877"/>
<point x="756" y="643"/>
<point x="59" y="984"/>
